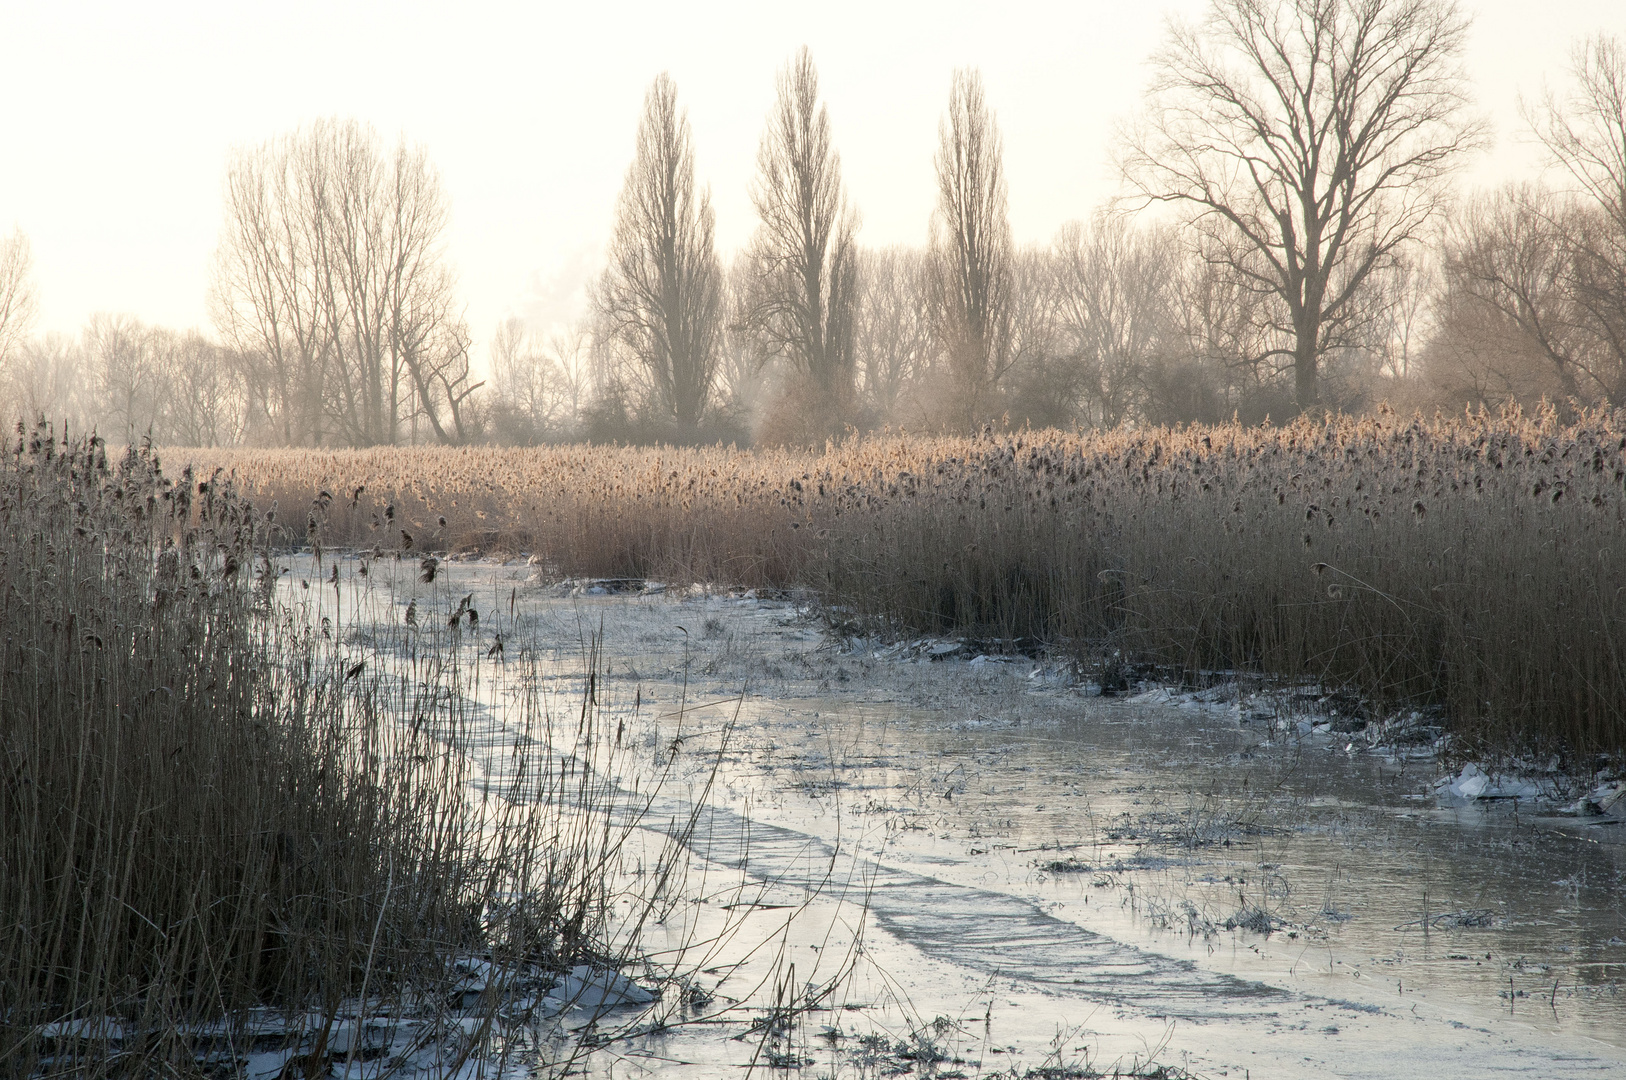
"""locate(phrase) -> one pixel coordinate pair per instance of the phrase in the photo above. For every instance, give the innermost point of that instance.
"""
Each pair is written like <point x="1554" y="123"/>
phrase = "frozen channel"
<point x="1055" y="877"/>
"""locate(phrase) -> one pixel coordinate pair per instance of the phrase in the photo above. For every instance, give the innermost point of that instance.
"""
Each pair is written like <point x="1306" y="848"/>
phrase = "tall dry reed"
<point x="1472" y="563"/>
<point x="208" y="809"/>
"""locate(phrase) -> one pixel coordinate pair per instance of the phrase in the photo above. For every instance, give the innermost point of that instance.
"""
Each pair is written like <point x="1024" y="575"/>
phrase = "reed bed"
<point x="1470" y="565"/>
<point x="213" y="813"/>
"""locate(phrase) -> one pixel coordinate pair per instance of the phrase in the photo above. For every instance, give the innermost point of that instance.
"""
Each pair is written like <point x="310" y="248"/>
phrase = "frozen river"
<point x="992" y="872"/>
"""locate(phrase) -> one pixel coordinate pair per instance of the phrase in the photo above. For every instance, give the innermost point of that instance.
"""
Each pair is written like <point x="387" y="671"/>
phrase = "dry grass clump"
<point x="705" y="513"/>
<point x="1472" y="563"/>
<point x="207" y="809"/>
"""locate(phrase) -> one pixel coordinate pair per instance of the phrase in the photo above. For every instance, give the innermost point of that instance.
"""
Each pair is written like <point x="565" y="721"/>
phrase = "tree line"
<point x="1289" y="239"/>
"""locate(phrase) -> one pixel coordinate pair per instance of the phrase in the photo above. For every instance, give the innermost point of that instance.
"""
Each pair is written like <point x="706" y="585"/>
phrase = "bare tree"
<point x="47" y="376"/>
<point x="1535" y="279"/>
<point x="972" y="251"/>
<point x="1403" y="314"/>
<point x="1518" y="319"/>
<point x="1310" y="139"/>
<point x="746" y="371"/>
<point x="571" y="352"/>
<point x="661" y="296"/>
<point x="131" y="385"/>
<point x="18" y="302"/>
<point x="264" y="295"/>
<point x="804" y="294"/>
<point x="537" y="389"/>
<point x="1221" y="366"/>
<point x="1585" y="131"/>
<point x="196" y="390"/>
<point x="1115" y="299"/>
<point x="1504" y="333"/>
<point x="1585" y="134"/>
<point x="331" y="279"/>
<point x="433" y="344"/>
<point x="130" y="381"/>
<point x="517" y="408"/>
<point x="403" y="350"/>
<point x="1041" y="387"/>
<point x="895" y="332"/>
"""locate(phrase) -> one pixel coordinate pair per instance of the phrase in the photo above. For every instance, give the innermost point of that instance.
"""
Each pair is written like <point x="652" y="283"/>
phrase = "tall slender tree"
<point x="802" y="301"/>
<point x="660" y="298"/>
<point x="972" y="253"/>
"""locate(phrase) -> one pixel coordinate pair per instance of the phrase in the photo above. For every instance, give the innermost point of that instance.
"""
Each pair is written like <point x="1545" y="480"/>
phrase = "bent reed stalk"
<point x="1472" y="564"/>
<point x="210" y="811"/>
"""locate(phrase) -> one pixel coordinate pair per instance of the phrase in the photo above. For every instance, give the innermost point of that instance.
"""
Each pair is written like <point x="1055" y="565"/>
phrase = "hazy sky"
<point x="118" y="118"/>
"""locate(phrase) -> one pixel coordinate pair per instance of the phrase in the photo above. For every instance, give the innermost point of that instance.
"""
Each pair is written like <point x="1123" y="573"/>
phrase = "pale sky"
<point x="118" y="119"/>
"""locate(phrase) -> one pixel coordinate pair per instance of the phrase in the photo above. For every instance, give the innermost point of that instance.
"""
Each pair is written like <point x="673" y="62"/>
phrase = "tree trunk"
<point x="1304" y="374"/>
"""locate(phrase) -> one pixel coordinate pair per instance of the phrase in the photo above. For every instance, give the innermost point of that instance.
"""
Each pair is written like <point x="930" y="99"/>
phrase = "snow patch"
<point x="585" y="987"/>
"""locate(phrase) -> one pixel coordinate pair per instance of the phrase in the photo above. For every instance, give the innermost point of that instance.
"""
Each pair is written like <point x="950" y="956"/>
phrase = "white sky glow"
<point x="118" y="119"/>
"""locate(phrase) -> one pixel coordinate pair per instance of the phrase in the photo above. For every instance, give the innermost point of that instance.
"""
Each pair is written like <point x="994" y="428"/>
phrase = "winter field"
<point x="1470" y="567"/>
<point x="1219" y="752"/>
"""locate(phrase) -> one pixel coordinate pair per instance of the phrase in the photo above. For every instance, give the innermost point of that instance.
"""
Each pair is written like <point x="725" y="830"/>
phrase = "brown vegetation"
<point x="211" y="809"/>
<point x="1470" y="563"/>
